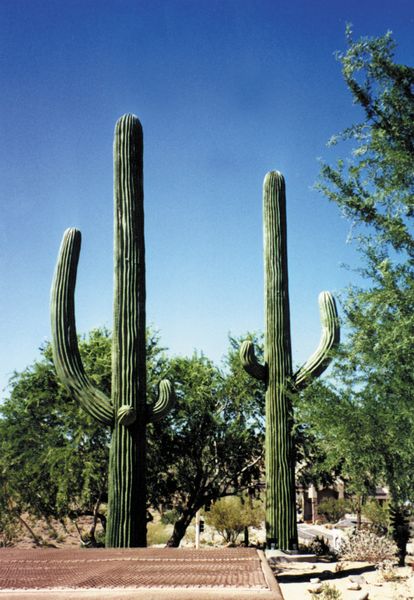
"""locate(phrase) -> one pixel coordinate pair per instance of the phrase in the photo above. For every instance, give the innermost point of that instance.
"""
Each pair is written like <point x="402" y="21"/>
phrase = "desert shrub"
<point x="333" y="509"/>
<point x="329" y="592"/>
<point x="9" y="533"/>
<point x="190" y="535"/>
<point x="157" y="533"/>
<point x="9" y="529"/>
<point x="386" y="570"/>
<point x="230" y="515"/>
<point x="367" y="546"/>
<point x="377" y="514"/>
<point x="320" y="547"/>
<point x="100" y="538"/>
<point x="304" y="548"/>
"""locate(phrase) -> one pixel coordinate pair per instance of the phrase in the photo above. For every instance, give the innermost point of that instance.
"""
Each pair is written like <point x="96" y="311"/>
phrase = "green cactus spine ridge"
<point x="127" y="412"/>
<point x="281" y="383"/>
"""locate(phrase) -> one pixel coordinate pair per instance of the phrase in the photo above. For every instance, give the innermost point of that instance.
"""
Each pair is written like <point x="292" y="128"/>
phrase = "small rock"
<point x="362" y="596"/>
<point x="358" y="579"/>
<point x="353" y="586"/>
<point x="315" y="588"/>
<point x="315" y="580"/>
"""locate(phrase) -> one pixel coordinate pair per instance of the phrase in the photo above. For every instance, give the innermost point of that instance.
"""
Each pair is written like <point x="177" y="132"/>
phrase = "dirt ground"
<point x="294" y="579"/>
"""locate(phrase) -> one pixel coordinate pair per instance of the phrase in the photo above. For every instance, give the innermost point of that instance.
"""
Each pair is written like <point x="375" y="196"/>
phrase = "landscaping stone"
<point x="315" y="588"/>
<point x="362" y="596"/>
<point x="358" y="579"/>
<point x="353" y="586"/>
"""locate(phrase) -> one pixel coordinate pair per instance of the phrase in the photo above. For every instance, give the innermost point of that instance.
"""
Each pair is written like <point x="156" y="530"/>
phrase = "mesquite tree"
<point x="281" y="382"/>
<point x="372" y="183"/>
<point x="127" y="411"/>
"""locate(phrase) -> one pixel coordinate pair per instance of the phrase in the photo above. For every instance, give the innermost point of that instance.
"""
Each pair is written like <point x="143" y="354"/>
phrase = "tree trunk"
<point x="37" y="539"/>
<point x="180" y="527"/>
<point x="359" y="512"/>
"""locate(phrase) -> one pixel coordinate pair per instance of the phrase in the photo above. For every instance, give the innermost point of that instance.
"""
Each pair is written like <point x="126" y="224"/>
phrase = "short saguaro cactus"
<point x="281" y="383"/>
<point x="127" y="411"/>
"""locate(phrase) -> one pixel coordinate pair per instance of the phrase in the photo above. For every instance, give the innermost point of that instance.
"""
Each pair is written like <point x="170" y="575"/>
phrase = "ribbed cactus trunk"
<point x="127" y="411"/>
<point x="127" y="489"/>
<point x="276" y="373"/>
<point x="281" y="529"/>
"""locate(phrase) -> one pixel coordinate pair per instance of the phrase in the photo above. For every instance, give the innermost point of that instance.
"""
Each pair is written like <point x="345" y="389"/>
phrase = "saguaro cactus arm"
<point x="250" y="363"/>
<point x="166" y="399"/>
<point x="321" y="358"/>
<point x="66" y="355"/>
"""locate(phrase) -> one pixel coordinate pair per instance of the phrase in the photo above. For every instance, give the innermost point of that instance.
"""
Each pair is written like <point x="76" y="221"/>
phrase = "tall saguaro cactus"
<point x="127" y="411"/>
<point x="281" y="382"/>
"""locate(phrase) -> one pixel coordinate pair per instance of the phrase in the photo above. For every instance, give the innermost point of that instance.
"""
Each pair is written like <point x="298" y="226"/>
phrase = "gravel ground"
<point x="294" y="580"/>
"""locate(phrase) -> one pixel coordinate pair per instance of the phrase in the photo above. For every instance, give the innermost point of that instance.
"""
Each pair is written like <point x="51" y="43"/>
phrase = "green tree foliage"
<point x="374" y="186"/>
<point x="211" y="445"/>
<point x="231" y="515"/>
<point x="54" y="458"/>
<point x="377" y="515"/>
<point x="346" y="435"/>
<point x="312" y="466"/>
<point x="9" y="518"/>
<point x="367" y="414"/>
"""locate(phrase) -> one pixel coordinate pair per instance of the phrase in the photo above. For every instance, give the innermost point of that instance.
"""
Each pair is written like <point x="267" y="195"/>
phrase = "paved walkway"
<point x="153" y="574"/>
<point x="308" y="533"/>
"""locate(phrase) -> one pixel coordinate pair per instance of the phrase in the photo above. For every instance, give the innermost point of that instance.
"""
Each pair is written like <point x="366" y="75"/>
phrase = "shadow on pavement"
<point x="323" y="575"/>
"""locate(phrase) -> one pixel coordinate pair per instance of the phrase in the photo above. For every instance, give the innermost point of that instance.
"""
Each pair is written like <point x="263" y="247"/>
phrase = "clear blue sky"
<point x="226" y="90"/>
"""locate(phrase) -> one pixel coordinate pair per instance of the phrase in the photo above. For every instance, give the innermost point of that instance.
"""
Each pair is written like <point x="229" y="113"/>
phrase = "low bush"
<point x="367" y="546"/>
<point x="158" y="533"/>
<point x="9" y="534"/>
<point x="333" y="509"/>
<point x="190" y="535"/>
<point x="9" y="529"/>
<point x="230" y="515"/>
<point x="320" y="547"/>
<point x="329" y="592"/>
<point x="387" y="571"/>
<point x="377" y="515"/>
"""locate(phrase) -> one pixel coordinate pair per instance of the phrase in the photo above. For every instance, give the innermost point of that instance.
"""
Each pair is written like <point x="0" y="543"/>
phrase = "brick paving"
<point x="168" y="572"/>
